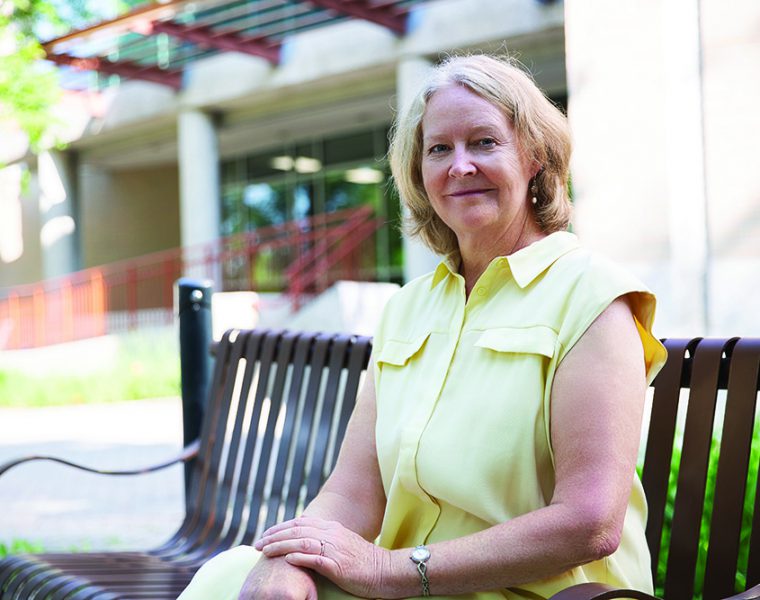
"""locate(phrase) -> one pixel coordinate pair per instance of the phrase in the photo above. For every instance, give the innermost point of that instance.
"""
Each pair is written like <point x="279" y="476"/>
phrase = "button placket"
<point x="415" y="428"/>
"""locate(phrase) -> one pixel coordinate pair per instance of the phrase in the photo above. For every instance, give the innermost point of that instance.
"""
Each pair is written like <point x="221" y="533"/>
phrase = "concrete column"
<point x="410" y="74"/>
<point x="11" y="222"/>
<point x="199" y="191"/>
<point x="59" y="231"/>
<point x="731" y="63"/>
<point x="685" y="177"/>
<point x="634" y="103"/>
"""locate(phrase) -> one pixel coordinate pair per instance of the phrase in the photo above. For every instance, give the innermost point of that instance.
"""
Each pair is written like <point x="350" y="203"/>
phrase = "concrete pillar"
<point x="634" y="103"/>
<point x="59" y="231"/>
<point x="11" y="222"/>
<point x="199" y="191"/>
<point x="730" y="66"/>
<point x="410" y="74"/>
<point x="685" y="155"/>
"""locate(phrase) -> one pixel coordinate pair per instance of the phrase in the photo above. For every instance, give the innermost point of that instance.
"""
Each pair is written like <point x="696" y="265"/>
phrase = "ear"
<point x="535" y="168"/>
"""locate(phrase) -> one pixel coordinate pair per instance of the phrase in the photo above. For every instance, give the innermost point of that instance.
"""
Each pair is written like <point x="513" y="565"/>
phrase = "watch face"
<point x="420" y="554"/>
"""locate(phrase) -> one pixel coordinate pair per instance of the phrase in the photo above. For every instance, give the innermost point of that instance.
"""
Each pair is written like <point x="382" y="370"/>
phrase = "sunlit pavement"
<point x="61" y="508"/>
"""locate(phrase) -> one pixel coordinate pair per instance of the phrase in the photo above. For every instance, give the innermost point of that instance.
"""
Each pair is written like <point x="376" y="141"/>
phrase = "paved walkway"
<point x="61" y="508"/>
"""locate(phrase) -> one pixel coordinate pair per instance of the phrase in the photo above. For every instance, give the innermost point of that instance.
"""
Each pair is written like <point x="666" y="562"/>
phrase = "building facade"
<point x="659" y="99"/>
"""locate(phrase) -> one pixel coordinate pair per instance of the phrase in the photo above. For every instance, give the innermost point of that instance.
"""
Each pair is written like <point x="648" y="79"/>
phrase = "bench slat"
<point x="304" y="434"/>
<point x="317" y="473"/>
<point x="736" y="442"/>
<point x="692" y="473"/>
<point x="286" y="347"/>
<point x="659" y="450"/>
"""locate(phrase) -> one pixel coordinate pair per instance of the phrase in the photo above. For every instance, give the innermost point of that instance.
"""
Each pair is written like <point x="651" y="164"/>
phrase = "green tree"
<point x="29" y="88"/>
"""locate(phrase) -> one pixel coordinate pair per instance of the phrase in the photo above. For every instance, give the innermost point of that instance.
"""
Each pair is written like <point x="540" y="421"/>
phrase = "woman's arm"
<point x="597" y="404"/>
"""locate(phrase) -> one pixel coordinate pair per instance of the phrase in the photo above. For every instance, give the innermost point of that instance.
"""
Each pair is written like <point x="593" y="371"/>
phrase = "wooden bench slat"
<point x="659" y="449"/>
<point x="304" y="434"/>
<point x="298" y="369"/>
<point x="317" y="473"/>
<point x="692" y="473"/>
<point x="203" y="479"/>
<point x="286" y="347"/>
<point x="753" y="564"/>
<point x="259" y="356"/>
<point x="731" y="479"/>
<point x="358" y="362"/>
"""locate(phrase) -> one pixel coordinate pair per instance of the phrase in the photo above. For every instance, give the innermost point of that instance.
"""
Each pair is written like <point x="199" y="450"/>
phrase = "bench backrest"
<point x="278" y="409"/>
<point x="704" y="399"/>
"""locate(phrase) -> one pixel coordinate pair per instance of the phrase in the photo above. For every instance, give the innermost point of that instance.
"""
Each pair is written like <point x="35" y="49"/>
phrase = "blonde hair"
<point x="540" y="127"/>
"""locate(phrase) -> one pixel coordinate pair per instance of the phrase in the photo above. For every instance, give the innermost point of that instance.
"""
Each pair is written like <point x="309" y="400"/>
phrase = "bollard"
<point x="193" y="305"/>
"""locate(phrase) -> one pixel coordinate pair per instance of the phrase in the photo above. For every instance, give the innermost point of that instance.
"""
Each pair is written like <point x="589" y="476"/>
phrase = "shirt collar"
<point x="449" y="265"/>
<point x="526" y="264"/>
<point x="531" y="261"/>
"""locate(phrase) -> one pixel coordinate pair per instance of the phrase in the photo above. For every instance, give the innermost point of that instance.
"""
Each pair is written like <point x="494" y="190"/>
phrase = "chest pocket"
<point x="538" y="339"/>
<point x="399" y="352"/>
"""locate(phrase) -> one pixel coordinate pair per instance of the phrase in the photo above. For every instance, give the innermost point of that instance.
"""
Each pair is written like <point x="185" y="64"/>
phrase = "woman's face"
<point x="474" y="172"/>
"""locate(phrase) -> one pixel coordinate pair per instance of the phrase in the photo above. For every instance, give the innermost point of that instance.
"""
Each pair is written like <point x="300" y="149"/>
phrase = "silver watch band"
<point x="419" y="556"/>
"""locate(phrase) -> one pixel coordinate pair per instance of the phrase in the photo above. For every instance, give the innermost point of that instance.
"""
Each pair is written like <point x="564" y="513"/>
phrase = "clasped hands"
<point x="348" y="560"/>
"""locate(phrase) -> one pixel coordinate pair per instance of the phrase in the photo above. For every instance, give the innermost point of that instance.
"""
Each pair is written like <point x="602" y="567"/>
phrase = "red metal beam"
<point x="205" y="36"/>
<point x="122" y="68"/>
<point x="124" y="23"/>
<point x="380" y="15"/>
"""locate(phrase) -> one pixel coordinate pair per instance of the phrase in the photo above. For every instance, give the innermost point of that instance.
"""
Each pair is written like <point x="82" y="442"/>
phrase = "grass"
<point x="145" y="365"/>
<point x="19" y="547"/>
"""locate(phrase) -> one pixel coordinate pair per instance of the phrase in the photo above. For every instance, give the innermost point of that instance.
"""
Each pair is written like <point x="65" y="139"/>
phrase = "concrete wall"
<point x="21" y="260"/>
<point x="661" y="106"/>
<point x="731" y="63"/>
<point x="127" y="213"/>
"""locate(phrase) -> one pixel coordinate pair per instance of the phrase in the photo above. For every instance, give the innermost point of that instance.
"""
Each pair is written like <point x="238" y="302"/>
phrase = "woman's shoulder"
<point x="595" y="272"/>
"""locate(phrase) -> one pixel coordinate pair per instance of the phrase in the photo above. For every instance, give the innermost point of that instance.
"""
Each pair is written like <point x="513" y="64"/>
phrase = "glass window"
<point x="349" y="148"/>
<point x="296" y="181"/>
<point x="267" y="204"/>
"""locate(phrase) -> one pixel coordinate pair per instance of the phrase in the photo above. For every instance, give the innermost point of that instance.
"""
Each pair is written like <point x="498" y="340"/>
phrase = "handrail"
<point x="292" y="258"/>
<point x="349" y="235"/>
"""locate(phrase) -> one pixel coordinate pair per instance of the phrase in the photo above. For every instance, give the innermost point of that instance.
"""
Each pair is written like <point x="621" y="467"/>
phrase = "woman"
<point x="492" y="449"/>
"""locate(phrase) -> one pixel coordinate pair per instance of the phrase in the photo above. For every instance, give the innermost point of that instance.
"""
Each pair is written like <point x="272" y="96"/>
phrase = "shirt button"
<point x="480" y="291"/>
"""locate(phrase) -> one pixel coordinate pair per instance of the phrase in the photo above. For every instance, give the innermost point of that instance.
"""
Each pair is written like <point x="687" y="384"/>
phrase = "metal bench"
<point x="277" y="410"/>
<point x="276" y="413"/>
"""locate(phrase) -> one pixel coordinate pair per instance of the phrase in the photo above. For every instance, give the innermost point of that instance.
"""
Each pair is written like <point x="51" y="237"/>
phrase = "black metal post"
<point x="193" y="304"/>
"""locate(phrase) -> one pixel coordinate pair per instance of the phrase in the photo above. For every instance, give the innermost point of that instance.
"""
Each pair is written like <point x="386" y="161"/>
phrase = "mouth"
<point x="471" y="192"/>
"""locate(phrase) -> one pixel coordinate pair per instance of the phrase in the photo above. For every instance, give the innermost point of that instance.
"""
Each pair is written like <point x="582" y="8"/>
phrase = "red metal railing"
<point x="298" y="259"/>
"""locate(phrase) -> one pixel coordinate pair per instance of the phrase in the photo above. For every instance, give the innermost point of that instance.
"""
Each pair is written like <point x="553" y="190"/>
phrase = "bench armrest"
<point x="752" y="593"/>
<point x="599" y="591"/>
<point x="189" y="452"/>
<point x="602" y="591"/>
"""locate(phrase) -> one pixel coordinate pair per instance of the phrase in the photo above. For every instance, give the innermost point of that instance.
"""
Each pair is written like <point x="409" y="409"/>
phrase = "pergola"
<point x="156" y="41"/>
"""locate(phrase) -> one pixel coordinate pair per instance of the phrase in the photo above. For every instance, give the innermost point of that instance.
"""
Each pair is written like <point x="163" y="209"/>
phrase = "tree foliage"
<point x="29" y="88"/>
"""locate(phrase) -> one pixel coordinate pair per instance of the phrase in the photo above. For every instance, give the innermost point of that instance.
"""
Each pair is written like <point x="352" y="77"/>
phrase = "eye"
<point x="486" y="142"/>
<point x="438" y="149"/>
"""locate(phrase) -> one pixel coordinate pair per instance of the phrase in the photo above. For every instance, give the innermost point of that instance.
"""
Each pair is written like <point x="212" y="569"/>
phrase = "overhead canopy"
<point x="155" y="42"/>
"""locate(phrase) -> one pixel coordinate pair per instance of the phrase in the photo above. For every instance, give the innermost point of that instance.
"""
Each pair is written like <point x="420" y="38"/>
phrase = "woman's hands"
<point x="352" y="563"/>
<point x="276" y="579"/>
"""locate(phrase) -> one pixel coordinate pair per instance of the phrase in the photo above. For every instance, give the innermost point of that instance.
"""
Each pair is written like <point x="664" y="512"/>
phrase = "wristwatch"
<point x="420" y="555"/>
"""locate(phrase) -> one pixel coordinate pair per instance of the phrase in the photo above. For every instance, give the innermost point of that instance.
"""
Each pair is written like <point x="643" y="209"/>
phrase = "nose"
<point x="462" y="164"/>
